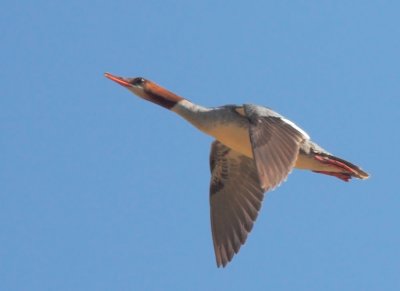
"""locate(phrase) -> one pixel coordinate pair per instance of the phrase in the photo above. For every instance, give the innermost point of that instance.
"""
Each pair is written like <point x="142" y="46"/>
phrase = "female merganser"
<point x="254" y="150"/>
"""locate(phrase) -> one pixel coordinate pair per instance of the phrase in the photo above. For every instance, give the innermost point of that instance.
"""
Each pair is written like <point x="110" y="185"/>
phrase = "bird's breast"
<point x="234" y="136"/>
<point x="226" y="124"/>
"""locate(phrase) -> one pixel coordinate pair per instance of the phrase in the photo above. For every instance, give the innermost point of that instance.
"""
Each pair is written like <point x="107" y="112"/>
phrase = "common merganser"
<point x="254" y="151"/>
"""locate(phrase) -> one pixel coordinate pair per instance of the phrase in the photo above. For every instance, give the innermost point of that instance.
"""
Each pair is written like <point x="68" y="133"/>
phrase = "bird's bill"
<point x="118" y="80"/>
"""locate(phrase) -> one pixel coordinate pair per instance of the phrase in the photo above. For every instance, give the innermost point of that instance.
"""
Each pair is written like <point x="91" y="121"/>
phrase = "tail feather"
<point x="346" y="169"/>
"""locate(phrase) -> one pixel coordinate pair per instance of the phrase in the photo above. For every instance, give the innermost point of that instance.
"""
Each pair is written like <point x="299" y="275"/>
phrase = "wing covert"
<point x="275" y="142"/>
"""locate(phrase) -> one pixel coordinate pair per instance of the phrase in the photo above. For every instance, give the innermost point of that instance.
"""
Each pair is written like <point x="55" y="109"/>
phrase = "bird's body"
<point x="254" y="150"/>
<point x="223" y="123"/>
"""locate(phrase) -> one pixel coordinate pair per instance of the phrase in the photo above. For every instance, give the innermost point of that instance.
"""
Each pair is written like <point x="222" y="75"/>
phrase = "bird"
<point x="254" y="150"/>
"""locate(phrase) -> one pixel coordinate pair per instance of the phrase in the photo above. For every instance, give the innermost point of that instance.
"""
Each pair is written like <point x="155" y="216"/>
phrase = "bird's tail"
<point x="343" y="170"/>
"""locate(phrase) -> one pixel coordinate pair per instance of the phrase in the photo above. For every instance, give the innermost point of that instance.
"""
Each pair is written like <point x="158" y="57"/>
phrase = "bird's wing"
<point x="235" y="199"/>
<point x="275" y="142"/>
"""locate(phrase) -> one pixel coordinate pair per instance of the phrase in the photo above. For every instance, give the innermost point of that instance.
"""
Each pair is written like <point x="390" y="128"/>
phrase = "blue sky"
<point x="100" y="190"/>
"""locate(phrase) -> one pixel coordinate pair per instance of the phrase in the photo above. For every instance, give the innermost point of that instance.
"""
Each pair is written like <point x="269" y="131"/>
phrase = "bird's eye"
<point x="137" y="81"/>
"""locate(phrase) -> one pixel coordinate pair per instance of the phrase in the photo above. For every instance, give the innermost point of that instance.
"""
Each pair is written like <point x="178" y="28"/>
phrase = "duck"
<point x="254" y="151"/>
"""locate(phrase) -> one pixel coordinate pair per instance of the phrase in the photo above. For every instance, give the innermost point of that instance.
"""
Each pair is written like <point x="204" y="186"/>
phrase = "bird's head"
<point x="147" y="90"/>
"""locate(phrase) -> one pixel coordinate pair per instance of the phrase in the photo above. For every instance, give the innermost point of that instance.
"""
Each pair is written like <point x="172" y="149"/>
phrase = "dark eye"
<point x="137" y="81"/>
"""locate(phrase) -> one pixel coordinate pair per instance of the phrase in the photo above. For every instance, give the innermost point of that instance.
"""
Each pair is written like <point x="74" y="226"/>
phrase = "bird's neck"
<point x="159" y="95"/>
<point x="197" y="115"/>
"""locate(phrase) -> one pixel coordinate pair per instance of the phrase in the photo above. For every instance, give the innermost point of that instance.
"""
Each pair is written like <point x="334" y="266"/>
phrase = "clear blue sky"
<point x="100" y="190"/>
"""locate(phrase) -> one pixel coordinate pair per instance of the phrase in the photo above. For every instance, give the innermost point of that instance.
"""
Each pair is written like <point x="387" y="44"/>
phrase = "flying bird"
<point x="254" y="151"/>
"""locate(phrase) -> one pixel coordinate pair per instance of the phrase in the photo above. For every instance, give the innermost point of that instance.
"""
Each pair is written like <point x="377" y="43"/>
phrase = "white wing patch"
<point x="306" y="136"/>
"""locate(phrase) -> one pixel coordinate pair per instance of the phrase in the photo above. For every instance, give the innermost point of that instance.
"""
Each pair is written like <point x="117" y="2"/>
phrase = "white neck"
<point x="197" y="115"/>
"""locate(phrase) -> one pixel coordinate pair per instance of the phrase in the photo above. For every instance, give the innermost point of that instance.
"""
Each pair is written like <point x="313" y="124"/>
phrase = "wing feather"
<point x="235" y="199"/>
<point x="275" y="142"/>
<point x="238" y="183"/>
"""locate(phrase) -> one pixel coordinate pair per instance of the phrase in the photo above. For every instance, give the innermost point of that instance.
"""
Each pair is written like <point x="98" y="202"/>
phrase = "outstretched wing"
<point x="275" y="141"/>
<point x="235" y="199"/>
